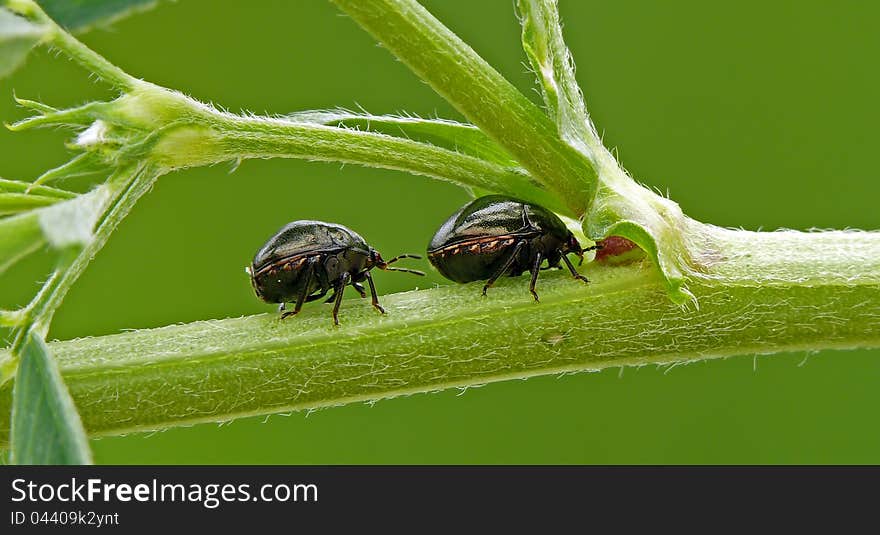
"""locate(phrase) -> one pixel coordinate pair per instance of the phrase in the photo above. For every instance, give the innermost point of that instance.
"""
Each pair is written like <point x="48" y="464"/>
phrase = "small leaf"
<point x="13" y="203"/>
<point x="62" y="225"/>
<point x="46" y="428"/>
<point x="20" y="235"/>
<point x="33" y="104"/>
<point x="17" y="186"/>
<point x="72" y="222"/>
<point x="78" y="118"/>
<point x="86" y="163"/>
<point x="83" y="15"/>
<point x="17" y="37"/>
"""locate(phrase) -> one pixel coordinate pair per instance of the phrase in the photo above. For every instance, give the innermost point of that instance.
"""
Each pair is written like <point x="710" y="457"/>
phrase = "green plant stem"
<point x="234" y="136"/>
<point x="126" y="186"/>
<point x="173" y="131"/>
<point x="479" y="92"/>
<point x="58" y="37"/>
<point x="759" y="293"/>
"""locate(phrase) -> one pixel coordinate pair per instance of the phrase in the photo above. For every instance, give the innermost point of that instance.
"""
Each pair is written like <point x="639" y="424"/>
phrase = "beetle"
<point x="496" y="235"/>
<point x="306" y="259"/>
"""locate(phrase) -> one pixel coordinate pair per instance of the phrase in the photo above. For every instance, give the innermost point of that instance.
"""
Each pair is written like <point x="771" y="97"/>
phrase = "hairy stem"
<point x="126" y="186"/>
<point x="61" y="39"/>
<point x="233" y="136"/>
<point x="479" y="92"/>
<point x="758" y="293"/>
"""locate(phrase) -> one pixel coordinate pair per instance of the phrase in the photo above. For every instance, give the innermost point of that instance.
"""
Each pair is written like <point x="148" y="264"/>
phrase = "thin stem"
<point x="86" y="57"/>
<point x="758" y="293"/>
<point x="479" y="92"/>
<point x="126" y="186"/>
<point x="253" y="137"/>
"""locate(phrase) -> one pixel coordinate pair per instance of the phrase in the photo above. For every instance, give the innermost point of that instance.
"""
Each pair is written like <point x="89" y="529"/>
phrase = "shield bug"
<point x="306" y="259"/>
<point x="497" y="235"/>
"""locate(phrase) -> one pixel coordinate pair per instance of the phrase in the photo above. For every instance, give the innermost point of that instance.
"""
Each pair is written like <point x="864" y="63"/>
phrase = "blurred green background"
<point x="758" y="114"/>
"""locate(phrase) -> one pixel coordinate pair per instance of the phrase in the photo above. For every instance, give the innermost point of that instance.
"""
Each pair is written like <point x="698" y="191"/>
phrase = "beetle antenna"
<point x="584" y="250"/>
<point x="405" y="270"/>
<point x="400" y="256"/>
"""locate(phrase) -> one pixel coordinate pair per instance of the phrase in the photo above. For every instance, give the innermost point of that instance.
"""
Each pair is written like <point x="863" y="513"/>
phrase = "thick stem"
<point x="758" y="293"/>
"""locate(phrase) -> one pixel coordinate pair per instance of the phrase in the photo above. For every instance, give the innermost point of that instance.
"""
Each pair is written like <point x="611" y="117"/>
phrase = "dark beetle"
<point x="497" y="235"/>
<point x="306" y="259"/>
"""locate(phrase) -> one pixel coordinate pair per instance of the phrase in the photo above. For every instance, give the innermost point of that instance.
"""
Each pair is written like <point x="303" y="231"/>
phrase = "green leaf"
<point x="17" y="37"/>
<point x="46" y="428"/>
<point x="17" y="186"/>
<point x="62" y="225"/>
<point x="13" y="203"/>
<point x="20" y="236"/>
<point x="83" y="15"/>
<point x="72" y="222"/>
<point x="83" y="164"/>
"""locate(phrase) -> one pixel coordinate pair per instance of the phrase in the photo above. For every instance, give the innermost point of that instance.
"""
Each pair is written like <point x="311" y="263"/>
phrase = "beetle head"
<point x="250" y="271"/>
<point x="375" y="260"/>
<point x="574" y="246"/>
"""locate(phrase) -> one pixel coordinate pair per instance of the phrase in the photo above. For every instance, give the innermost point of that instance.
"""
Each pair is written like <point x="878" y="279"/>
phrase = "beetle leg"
<point x="310" y="271"/>
<point x="360" y="289"/>
<point x="506" y="267"/>
<point x="574" y="272"/>
<point x="375" y="298"/>
<point x="315" y="297"/>
<point x="340" y="287"/>
<point x="536" y="267"/>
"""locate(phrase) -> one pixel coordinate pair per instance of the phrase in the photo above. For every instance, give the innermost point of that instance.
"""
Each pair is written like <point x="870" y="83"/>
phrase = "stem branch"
<point x="479" y="92"/>
<point x="126" y="186"/>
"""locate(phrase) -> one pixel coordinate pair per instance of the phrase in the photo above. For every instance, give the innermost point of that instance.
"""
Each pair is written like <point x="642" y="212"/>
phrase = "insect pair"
<point x="486" y="239"/>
